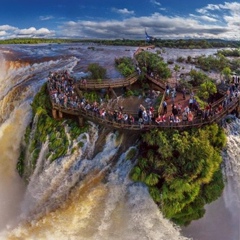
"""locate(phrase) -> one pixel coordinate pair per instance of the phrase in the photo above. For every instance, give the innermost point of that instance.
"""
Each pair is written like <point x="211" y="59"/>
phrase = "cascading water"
<point x="222" y="218"/>
<point x="69" y="199"/>
<point x="11" y="185"/>
<point x="82" y="195"/>
<point x="232" y="172"/>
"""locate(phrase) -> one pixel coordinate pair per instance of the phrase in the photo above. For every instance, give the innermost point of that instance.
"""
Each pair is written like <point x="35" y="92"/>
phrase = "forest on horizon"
<point x="169" y="43"/>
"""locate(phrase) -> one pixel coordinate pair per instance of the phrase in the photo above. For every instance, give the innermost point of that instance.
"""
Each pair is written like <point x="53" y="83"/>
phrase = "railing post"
<point x="81" y="121"/>
<point x="60" y="114"/>
<point x="54" y="113"/>
<point x="238" y="108"/>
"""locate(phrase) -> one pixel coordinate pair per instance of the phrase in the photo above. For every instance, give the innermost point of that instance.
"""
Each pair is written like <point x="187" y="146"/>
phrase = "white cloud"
<point x="204" y="18"/>
<point x="7" y="28"/>
<point x="45" y="18"/>
<point x="211" y="21"/>
<point x="26" y="31"/>
<point x="123" y="11"/>
<point x="33" y="32"/>
<point x="158" y="25"/>
<point x="154" y="2"/>
<point x="3" y="33"/>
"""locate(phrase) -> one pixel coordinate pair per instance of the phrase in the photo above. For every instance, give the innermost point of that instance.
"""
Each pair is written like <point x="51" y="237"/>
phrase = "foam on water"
<point x="11" y="185"/>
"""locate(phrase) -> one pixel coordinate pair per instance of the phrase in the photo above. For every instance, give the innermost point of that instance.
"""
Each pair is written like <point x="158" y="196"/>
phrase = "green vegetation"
<point x="36" y="40"/>
<point x="230" y="52"/>
<point x="206" y="89"/>
<point x="226" y="72"/>
<point x="92" y="96"/>
<point x="125" y="66"/>
<point x="44" y="128"/>
<point x="219" y="62"/>
<point x="97" y="72"/>
<point x="171" y="43"/>
<point x="182" y="170"/>
<point x="214" y="63"/>
<point x="152" y="63"/>
<point x="197" y="77"/>
<point x="205" y="85"/>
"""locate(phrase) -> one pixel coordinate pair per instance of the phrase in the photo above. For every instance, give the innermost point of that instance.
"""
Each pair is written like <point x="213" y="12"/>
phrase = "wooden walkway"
<point x="90" y="115"/>
<point x="82" y="113"/>
<point x="107" y="83"/>
<point x="58" y="109"/>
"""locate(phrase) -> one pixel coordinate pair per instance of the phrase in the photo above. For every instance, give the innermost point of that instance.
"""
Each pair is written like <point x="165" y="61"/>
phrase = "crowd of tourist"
<point x="63" y="93"/>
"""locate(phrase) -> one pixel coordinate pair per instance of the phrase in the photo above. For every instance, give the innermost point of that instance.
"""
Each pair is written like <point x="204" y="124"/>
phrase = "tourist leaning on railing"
<point x="62" y="93"/>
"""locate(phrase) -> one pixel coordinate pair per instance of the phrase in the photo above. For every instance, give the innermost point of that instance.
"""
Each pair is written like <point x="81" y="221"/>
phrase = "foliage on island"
<point x="125" y="66"/>
<point x="152" y="63"/>
<point x="182" y="170"/>
<point x="229" y="52"/>
<point x="97" y="72"/>
<point x="45" y="128"/>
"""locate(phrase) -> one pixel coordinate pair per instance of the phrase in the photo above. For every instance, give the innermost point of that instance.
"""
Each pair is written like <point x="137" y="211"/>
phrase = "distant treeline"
<point x="170" y="43"/>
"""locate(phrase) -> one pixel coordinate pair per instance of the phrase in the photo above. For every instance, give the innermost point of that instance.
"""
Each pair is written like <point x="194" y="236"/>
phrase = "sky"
<point x="118" y="19"/>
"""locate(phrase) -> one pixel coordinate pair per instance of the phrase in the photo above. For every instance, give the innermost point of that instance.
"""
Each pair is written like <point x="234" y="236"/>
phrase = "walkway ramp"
<point x="108" y="83"/>
<point x="160" y="83"/>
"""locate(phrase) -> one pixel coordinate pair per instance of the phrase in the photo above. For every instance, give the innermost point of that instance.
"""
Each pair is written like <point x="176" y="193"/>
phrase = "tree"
<point x="226" y="72"/>
<point x="125" y="65"/>
<point x="182" y="170"/>
<point x="151" y="62"/>
<point x="197" y="77"/>
<point x="206" y="89"/>
<point x="97" y="72"/>
<point x="176" y="69"/>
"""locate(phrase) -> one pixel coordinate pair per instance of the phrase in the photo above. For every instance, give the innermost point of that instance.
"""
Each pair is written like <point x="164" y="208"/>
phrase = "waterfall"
<point x="222" y="218"/>
<point x="232" y="171"/>
<point x="11" y="185"/>
<point x="71" y="200"/>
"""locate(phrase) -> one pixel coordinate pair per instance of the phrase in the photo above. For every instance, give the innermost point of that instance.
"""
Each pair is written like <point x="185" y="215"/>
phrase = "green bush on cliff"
<point x="182" y="170"/>
<point x="45" y="128"/>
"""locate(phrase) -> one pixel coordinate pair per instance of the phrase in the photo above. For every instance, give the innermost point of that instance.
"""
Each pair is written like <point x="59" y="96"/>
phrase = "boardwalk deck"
<point x="90" y="115"/>
<point x="109" y="121"/>
<point x="108" y="83"/>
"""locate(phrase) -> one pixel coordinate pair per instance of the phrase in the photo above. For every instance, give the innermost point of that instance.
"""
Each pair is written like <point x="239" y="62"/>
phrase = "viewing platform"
<point x="136" y="126"/>
<point x="107" y="83"/>
<point x="67" y="98"/>
<point x="108" y="119"/>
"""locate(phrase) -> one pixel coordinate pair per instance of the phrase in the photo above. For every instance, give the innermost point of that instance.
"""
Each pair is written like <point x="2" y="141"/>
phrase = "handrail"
<point x="161" y="103"/>
<point x="159" y="82"/>
<point x="135" y="126"/>
<point x="106" y="83"/>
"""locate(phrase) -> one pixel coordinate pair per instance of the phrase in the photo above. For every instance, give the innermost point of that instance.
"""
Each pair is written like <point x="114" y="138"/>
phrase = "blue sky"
<point x="111" y="19"/>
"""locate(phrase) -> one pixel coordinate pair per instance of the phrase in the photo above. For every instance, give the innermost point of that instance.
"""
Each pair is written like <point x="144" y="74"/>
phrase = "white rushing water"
<point x="222" y="218"/>
<point x="79" y="196"/>
<point x="69" y="200"/>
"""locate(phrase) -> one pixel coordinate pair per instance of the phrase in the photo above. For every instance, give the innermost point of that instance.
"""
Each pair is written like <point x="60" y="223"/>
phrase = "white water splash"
<point x="115" y="210"/>
<point x="222" y="218"/>
<point x="11" y="185"/>
<point x="232" y="172"/>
